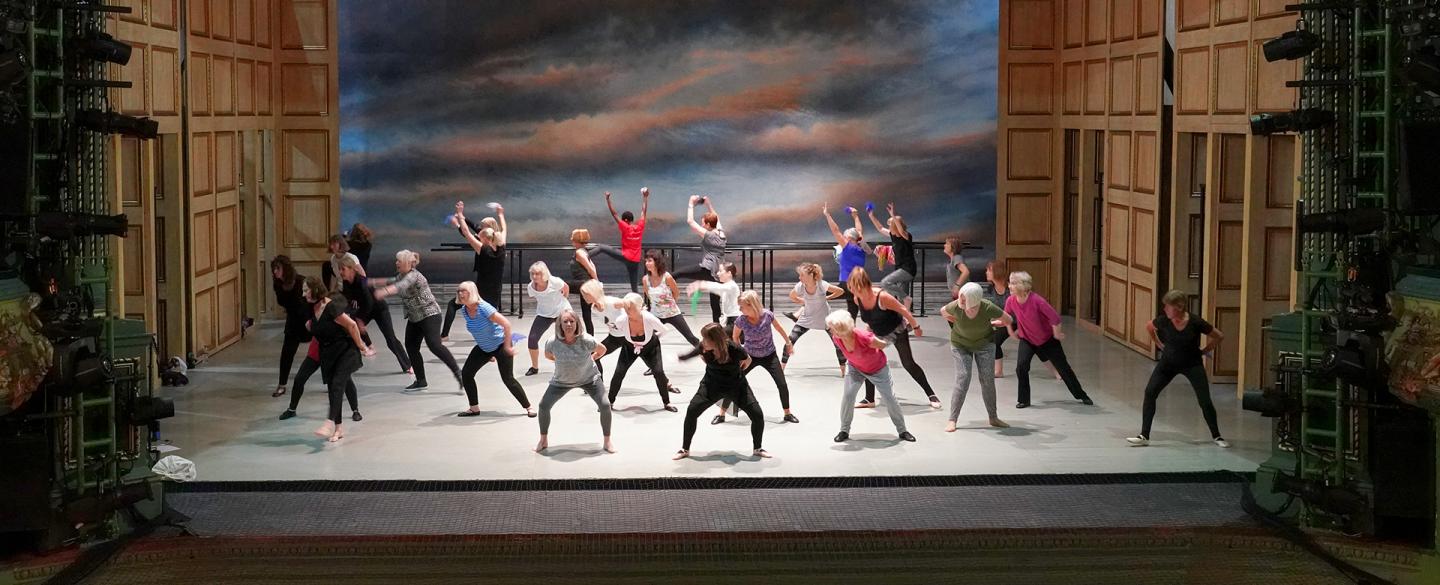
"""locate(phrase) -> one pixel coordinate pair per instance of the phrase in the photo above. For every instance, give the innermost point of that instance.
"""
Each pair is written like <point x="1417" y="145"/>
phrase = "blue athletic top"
<point x="852" y="256"/>
<point x="488" y="334"/>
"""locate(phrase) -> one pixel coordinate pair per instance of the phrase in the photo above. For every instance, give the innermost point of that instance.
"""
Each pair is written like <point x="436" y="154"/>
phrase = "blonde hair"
<point x="839" y="322"/>
<point x="632" y="301"/>
<point x="1022" y="280"/>
<point x="488" y="234"/>
<point x="568" y="314"/>
<point x="810" y="268"/>
<point x="348" y="261"/>
<point x="897" y="225"/>
<point x="541" y="268"/>
<point x="859" y="279"/>
<point x="592" y="288"/>
<point x="751" y="299"/>
<point x="468" y="287"/>
<point x="971" y="294"/>
<point x="409" y="257"/>
<point x="490" y="222"/>
<point x="580" y="236"/>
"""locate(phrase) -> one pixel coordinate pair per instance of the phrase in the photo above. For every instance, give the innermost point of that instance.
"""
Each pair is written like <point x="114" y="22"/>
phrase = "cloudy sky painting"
<point x="771" y="107"/>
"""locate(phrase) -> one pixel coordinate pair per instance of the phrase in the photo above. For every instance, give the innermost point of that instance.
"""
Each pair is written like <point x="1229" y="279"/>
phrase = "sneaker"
<point x="287" y="414"/>
<point x="416" y="386"/>
<point x="355" y="416"/>
<point x="1222" y="443"/>
<point x="1087" y="401"/>
<point x="842" y="436"/>
<point x="790" y="418"/>
<point x="1138" y="441"/>
<point x="906" y="436"/>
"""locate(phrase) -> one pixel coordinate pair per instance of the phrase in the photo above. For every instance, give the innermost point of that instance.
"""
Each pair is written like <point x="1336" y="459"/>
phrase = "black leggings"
<point x="901" y="339"/>
<point x="611" y="344"/>
<point x="632" y="269"/>
<point x="651" y="356"/>
<point x="307" y="369"/>
<point x="771" y="363"/>
<point x="427" y="329"/>
<point x="797" y="331"/>
<point x="1052" y="352"/>
<point x="703" y="400"/>
<point x="678" y="322"/>
<point x="381" y="318"/>
<point x="1161" y="377"/>
<point x="698" y="272"/>
<point x="504" y="361"/>
<point x="292" y="342"/>
<point x="585" y="308"/>
<point x="537" y="329"/>
<point x="1001" y="334"/>
<point x="340" y="386"/>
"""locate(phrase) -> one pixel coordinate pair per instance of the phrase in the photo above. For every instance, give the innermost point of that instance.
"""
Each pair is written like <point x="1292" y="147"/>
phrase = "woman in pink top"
<point x="1037" y="326"/>
<point x="631" y="234"/>
<point x="865" y="361"/>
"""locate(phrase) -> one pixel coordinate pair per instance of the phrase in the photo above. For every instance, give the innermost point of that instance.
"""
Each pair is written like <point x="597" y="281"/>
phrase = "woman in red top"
<point x="631" y="233"/>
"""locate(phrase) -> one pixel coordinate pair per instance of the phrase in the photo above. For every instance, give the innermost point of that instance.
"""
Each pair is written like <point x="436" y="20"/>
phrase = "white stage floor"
<point x="226" y="422"/>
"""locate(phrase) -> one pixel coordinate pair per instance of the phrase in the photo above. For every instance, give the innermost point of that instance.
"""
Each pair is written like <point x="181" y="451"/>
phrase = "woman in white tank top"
<point x="663" y="293"/>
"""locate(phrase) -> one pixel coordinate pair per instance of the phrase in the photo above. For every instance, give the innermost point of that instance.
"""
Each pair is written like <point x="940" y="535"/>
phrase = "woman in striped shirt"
<point x="491" y="332"/>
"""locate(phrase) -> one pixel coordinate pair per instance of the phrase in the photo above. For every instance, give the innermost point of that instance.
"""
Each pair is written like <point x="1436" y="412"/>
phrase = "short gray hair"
<point x="407" y="256"/>
<point x="839" y="320"/>
<point x="971" y="293"/>
<point x="1022" y="279"/>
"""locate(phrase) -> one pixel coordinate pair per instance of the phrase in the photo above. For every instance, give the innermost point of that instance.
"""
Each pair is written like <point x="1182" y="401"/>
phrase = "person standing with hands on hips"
<point x="1178" y="335"/>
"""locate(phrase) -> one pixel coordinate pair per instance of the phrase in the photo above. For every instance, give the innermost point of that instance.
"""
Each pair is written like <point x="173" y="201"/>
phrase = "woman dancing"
<point x="551" y="298"/>
<point x="754" y="331"/>
<point x="582" y="270"/>
<point x="340" y="351"/>
<point x="491" y="332"/>
<point x="724" y="378"/>
<point x="1178" y="334"/>
<point x="592" y="293"/>
<point x="725" y="291"/>
<point x="902" y="249"/>
<point x="290" y="295"/>
<point x="641" y="332"/>
<point x="631" y="234"/>
<point x="312" y="288"/>
<point x="330" y="270"/>
<point x="662" y="291"/>
<point x="972" y="321"/>
<point x="575" y="354"/>
<point x="712" y="248"/>
<point x="998" y="292"/>
<point x="360" y="243"/>
<point x="956" y="272"/>
<point x="886" y="318"/>
<point x="422" y="316"/>
<point x="1037" y="325"/>
<point x="813" y="294"/>
<point x="865" y="362"/>
<point x="489" y="245"/>
<point x="851" y="255"/>
<point x="364" y="308"/>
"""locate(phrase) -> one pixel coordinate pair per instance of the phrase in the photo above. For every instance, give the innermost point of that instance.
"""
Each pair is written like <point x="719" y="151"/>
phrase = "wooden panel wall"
<point x="1221" y="79"/>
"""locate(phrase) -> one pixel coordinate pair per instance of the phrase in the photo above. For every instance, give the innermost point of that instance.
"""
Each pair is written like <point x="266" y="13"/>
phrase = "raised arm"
<point x="644" y="203"/>
<point x="475" y="243"/>
<point x="690" y="217"/>
<point x="611" y="205"/>
<point x="500" y="218"/>
<point x="878" y="226"/>
<point x="834" y="227"/>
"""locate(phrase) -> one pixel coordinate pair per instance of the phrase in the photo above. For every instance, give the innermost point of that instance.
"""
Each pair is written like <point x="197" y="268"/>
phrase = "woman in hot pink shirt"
<point x="631" y="234"/>
<point x="1037" y="325"/>
<point x="865" y="359"/>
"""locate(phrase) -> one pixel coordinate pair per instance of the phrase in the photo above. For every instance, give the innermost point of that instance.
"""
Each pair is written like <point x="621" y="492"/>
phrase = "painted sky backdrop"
<point x="770" y="107"/>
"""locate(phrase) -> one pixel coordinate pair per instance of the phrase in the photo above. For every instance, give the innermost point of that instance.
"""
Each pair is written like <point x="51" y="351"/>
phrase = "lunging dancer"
<point x="1178" y="334"/>
<point x="582" y="270"/>
<point x="340" y="351"/>
<point x="361" y="243"/>
<point x="364" y="308"/>
<point x="972" y="321"/>
<point x="311" y="289"/>
<point x="592" y="293"/>
<point x="290" y="295"/>
<point x="489" y="245"/>
<point x="724" y="290"/>
<point x="724" y="378"/>
<point x="631" y="234"/>
<point x="422" y="316"/>
<point x="491" y="332"/>
<point x="851" y="254"/>
<point x="663" y="293"/>
<point x="865" y="362"/>
<point x="712" y="248"/>
<point x="330" y="270"/>
<point x="575" y="354"/>
<point x="814" y="295"/>
<point x="998" y="292"/>
<point x="552" y="297"/>
<point x="902" y="249"/>
<point x="754" y="331"/>
<point x="641" y="332"/>
<point x="887" y="318"/>
<point x="1037" y="325"/>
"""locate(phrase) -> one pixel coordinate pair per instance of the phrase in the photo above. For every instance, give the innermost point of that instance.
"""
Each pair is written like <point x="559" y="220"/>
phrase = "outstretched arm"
<point x="464" y="226"/>
<point x="611" y="205"/>
<point x="500" y="233"/>
<point x="888" y="301"/>
<point x="878" y="226"/>
<point x="690" y="217"/>
<point x="834" y="227"/>
<point x="644" y="203"/>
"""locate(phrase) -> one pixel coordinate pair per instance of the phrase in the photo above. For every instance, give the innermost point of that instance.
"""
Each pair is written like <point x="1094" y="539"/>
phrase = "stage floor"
<point x="226" y="422"/>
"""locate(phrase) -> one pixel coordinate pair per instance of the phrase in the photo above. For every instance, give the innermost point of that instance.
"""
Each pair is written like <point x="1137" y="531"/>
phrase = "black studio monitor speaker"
<point x="1418" y="192"/>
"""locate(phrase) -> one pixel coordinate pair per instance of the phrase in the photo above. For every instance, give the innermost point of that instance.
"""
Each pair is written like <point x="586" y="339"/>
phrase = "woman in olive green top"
<point x="972" y="319"/>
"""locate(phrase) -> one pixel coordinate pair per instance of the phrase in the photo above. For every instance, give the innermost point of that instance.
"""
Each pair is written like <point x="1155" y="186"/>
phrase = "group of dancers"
<point x="333" y="315"/>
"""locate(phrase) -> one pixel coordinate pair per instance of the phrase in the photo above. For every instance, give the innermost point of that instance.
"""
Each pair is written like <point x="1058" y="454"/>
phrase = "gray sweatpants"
<point x="853" y="380"/>
<point x="594" y="389"/>
<point x="897" y="283"/>
<point x="984" y="361"/>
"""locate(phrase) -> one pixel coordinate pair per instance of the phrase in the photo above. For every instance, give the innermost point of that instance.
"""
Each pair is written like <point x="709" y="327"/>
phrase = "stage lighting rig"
<point x="112" y="123"/>
<point x="1292" y="45"/>
<point x="66" y="226"/>
<point x="1294" y="121"/>
<point x="1350" y="221"/>
<point x="1338" y="500"/>
<point x="103" y="47"/>
<point x="1273" y="402"/>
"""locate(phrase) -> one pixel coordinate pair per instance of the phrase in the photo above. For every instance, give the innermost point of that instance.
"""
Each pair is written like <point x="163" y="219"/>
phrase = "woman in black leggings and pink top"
<point x="725" y="363"/>
<point x="887" y="318"/>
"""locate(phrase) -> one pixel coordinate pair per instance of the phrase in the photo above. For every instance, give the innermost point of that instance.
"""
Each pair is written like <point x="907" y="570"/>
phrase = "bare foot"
<point x="681" y="454"/>
<point x="444" y="339"/>
<point x="544" y="442"/>
<point x="950" y="427"/>
<point x="339" y="434"/>
<point x="609" y="447"/>
<point x="326" y="430"/>
<point x="763" y="454"/>
<point x="999" y="424"/>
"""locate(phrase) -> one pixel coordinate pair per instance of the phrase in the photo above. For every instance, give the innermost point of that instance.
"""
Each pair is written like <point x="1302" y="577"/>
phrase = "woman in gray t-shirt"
<point x="575" y="354"/>
<point x="712" y="249"/>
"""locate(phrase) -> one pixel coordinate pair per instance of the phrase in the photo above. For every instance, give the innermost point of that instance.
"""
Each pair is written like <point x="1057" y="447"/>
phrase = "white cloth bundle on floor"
<point x="176" y="468"/>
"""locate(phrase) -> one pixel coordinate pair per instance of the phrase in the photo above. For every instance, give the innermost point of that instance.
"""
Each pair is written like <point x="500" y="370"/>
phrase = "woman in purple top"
<point x="852" y="252"/>
<point x="754" y="331"/>
<point x="1037" y="326"/>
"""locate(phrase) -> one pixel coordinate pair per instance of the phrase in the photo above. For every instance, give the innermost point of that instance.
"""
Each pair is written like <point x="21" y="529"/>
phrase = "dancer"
<point x="712" y="246"/>
<point x="631" y="234"/>
<point x="753" y="332"/>
<point x="956" y="272"/>
<point x="551" y="298"/>
<point x="592" y="293"/>
<point x="491" y="332"/>
<point x="330" y="270"/>
<point x="582" y="270"/>
<point x="1178" y="335"/>
<point x="1037" y="326"/>
<point x="641" y="333"/>
<point x="360" y="243"/>
<point x="998" y="291"/>
<point x="972" y="320"/>
<point x="902" y="249"/>
<point x="851" y="253"/>
<point x="662" y="291"/>
<point x="489" y="245"/>
<point x="813" y="294"/>
<point x="290" y="295"/>
<point x="725" y="290"/>
<point x="865" y="362"/>
<point x="724" y="378"/>
<point x="364" y="308"/>
<point x="886" y="318"/>
<point x="340" y="351"/>
<point x="574" y="353"/>
<point x="422" y="316"/>
<point x="310" y="289"/>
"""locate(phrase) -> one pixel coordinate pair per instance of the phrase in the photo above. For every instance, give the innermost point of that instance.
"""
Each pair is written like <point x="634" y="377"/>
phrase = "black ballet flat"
<point x="469" y="413"/>
<point x="842" y="436"/>
<point x="790" y="418"/>
<point x="1087" y="401"/>
<point x="674" y="390"/>
<point x="671" y="408"/>
<point x="532" y="371"/>
<point x="355" y="416"/>
<point x="1022" y="405"/>
<point x="906" y="436"/>
<point x="287" y="414"/>
<point x="719" y="419"/>
<point x="649" y="372"/>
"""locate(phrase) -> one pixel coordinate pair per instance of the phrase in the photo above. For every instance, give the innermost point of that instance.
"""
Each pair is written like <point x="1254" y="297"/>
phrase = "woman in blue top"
<point x="491" y="331"/>
<point x="852" y="252"/>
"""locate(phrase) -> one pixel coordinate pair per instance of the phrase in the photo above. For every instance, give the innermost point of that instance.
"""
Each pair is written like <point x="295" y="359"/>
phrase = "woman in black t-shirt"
<point x="725" y="364"/>
<point x="1177" y="334"/>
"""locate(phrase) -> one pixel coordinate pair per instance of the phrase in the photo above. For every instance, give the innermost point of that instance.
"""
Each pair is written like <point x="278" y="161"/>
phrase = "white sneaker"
<point x="1137" y="441"/>
<point x="1222" y="443"/>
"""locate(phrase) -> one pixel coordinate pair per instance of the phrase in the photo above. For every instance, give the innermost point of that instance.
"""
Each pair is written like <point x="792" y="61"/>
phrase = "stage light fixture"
<point x="145" y="410"/>
<point x="1270" y="402"/>
<point x="1337" y="500"/>
<point x="112" y="123"/>
<point x="1291" y="45"/>
<point x="1295" y="121"/>
<point x="14" y="68"/>
<point x="103" y="47"/>
<point x="65" y="226"/>
<point x="1350" y="221"/>
<point x="1422" y="67"/>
